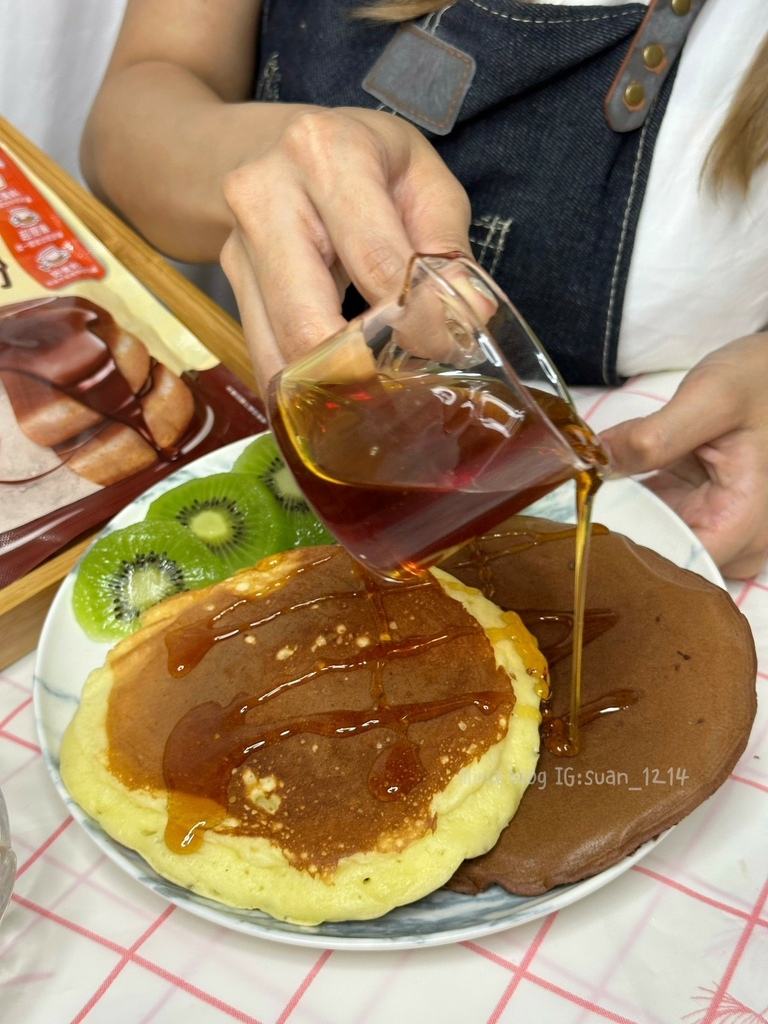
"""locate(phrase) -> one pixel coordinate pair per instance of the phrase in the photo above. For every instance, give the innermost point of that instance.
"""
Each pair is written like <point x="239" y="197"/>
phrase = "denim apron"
<point x="555" y="192"/>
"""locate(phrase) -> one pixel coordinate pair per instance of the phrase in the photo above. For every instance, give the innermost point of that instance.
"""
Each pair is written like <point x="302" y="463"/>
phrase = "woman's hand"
<point x="344" y="195"/>
<point x="708" y="452"/>
<point x="303" y="199"/>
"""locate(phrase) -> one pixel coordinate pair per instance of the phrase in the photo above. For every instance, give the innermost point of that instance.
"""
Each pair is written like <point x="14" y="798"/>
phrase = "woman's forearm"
<point x="158" y="145"/>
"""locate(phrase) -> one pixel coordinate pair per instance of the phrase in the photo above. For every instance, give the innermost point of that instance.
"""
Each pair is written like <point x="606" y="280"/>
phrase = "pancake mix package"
<point x="102" y="390"/>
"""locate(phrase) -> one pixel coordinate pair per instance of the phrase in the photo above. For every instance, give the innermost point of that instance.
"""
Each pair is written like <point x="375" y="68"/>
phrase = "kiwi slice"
<point x="235" y="516"/>
<point x="126" y="572"/>
<point x="263" y="459"/>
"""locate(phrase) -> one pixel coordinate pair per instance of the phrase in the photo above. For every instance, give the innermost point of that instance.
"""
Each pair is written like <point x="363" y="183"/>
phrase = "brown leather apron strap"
<point x="651" y="54"/>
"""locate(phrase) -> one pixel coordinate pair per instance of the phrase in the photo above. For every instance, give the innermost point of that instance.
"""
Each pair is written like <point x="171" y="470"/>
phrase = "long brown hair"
<point x="741" y="145"/>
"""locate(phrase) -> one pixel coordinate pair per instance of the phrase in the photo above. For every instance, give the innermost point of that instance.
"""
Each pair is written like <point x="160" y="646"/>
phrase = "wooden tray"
<point x="24" y="603"/>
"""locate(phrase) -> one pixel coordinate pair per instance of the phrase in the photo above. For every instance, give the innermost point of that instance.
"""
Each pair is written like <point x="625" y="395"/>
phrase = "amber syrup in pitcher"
<point x="406" y="470"/>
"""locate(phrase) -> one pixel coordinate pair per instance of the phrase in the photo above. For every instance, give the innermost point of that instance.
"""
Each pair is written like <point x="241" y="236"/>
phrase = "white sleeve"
<point x="698" y="276"/>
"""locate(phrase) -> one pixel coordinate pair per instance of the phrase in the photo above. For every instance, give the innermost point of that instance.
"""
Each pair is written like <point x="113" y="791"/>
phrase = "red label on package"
<point x="37" y="237"/>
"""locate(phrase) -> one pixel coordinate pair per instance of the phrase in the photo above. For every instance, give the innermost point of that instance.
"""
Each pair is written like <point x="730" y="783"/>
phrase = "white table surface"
<point x="680" y="937"/>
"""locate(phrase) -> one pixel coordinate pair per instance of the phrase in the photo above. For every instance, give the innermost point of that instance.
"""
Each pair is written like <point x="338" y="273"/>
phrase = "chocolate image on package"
<point x="90" y="418"/>
<point x="669" y="651"/>
<point x="297" y="738"/>
<point x="84" y="387"/>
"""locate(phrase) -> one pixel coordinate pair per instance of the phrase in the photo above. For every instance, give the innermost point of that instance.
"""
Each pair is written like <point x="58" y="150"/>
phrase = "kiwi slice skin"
<point x="235" y="516"/>
<point x="263" y="459"/>
<point x="128" y="571"/>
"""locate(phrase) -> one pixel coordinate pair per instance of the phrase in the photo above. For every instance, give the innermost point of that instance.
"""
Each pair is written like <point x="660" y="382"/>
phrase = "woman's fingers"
<point x="380" y="191"/>
<point x="700" y="411"/>
<point x="708" y="452"/>
<point x="729" y="513"/>
<point x="344" y="196"/>
<point x="308" y="323"/>
<point x="745" y="566"/>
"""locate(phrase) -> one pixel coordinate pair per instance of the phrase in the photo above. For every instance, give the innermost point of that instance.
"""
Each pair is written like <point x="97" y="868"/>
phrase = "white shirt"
<point x="698" y="275"/>
<point x="699" y="271"/>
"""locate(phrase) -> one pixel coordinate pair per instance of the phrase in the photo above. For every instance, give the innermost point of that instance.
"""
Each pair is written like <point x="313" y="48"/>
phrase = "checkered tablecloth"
<point x="681" y="937"/>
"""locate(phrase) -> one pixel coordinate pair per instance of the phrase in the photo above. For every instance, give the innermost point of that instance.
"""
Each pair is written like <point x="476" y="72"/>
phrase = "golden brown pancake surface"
<point x="301" y="733"/>
<point x="357" y="653"/>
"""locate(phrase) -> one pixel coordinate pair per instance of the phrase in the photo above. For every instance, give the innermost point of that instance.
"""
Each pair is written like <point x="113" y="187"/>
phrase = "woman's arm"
<point x="306" y="199"/>
<point x="172" y="119"/>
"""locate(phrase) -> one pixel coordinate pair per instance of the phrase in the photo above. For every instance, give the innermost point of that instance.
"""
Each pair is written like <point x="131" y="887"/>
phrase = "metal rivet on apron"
<point x="634" y="95"/>
<point x="653" y="56"/>
<point x="650" y="57"/>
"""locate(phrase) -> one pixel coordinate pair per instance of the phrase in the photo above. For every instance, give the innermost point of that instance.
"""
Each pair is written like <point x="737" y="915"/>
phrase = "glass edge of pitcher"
<point x="432" y="263"/>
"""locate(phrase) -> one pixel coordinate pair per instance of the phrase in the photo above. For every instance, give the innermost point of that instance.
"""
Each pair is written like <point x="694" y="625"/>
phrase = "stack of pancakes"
<point x="308" y="741"/>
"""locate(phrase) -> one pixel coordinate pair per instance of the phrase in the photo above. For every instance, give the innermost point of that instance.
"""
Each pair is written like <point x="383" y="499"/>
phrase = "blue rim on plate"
<point x="444" y="916"/>
<point x="7" y="859"/>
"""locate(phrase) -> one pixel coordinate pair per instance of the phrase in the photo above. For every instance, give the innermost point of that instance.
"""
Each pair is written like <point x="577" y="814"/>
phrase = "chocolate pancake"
<point x="666" y="648"/>
<point x="308" y="740"/>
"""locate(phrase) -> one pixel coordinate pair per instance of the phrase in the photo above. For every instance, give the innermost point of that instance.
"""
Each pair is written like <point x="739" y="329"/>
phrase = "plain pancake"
<point x="673" y="640"/>
<point x="305" y="740"/>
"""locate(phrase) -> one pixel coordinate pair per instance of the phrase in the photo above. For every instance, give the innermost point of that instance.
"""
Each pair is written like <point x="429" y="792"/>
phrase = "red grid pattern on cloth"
<point x="681" y="937"/>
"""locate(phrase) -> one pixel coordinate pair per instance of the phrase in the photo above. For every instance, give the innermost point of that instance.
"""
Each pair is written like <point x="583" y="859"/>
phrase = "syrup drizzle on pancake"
<point x="230" y="741"/>
<point x="398" y="769"/>
<point x="559" y="734"/>
<point x="212" y="742"/>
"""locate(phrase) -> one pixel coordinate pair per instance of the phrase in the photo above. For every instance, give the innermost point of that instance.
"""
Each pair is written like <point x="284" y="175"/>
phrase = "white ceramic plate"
<point x="66" y="656"/>
<point x="7" y="859"/>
